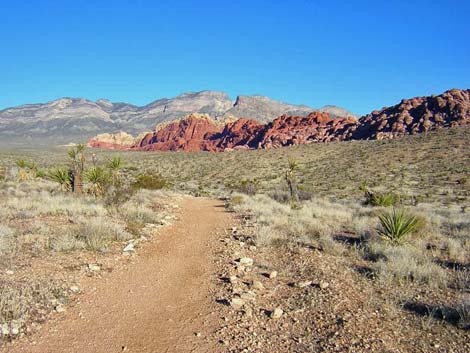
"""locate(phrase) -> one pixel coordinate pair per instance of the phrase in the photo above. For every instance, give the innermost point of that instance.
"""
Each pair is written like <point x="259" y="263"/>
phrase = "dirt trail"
<point x="155" y="304"/>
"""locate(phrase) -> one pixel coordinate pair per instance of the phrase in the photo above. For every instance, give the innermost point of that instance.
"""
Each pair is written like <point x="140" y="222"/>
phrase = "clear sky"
<point x="361" y="55"/>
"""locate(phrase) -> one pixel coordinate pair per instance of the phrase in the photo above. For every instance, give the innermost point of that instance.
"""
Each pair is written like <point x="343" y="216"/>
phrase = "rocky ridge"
<point x="198" y="132"/>
<point x="73" y="118"/>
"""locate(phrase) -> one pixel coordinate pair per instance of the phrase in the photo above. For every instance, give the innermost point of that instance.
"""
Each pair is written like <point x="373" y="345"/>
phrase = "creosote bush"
<point x="150" y="182"/>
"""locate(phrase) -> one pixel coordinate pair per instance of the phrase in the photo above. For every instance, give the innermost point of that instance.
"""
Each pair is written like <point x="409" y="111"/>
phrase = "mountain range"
<point x="71" y="118"/>
<point x="200" y="132"/>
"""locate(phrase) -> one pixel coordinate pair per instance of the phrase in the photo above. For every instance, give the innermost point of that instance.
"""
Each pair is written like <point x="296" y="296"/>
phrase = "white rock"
<point x="129" y="247"/>
<point x="246" y="261"/>
<point x="94" y="267"/>
<point x="303" y="284"/>
<point x="257" y="285"/>
<point x="9" y="272"/>
<point x="248" y="296"/>
<point x="273" y="274"/>
<point x="324" y="285"/>
<point x="75" y="289"/>
<point x="233" y="279"/>
<point x="5" y="329"/>
<point x="60" y="308"/>
<point x="276" y="313"/>
<point x="237" y="303"/>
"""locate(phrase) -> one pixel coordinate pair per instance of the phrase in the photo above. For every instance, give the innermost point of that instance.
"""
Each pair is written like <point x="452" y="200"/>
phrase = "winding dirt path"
<point x="155" y="304"/>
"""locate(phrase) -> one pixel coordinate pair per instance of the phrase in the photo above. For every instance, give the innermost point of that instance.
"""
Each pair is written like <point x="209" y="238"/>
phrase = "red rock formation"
<point x="416" y="115"/>
<point x="242" y="133"/>
<point x="192" y="133"/>
<point x="198" y="132"/>
<point x="296" y="130"/>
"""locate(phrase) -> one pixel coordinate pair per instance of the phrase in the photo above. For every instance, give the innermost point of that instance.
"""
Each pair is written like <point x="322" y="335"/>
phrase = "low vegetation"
<point x="396" y="222"/>
<point x="84" y="207"/>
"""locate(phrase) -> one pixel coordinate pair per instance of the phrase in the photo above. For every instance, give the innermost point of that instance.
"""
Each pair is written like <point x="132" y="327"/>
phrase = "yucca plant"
<point x="397" y="224"/>
<point x="379" y="199"/>
<point x="115" y="166"/>
<point x="98" y="178"/>
<point x="23" y="175"/>
<point x="62" y="177"/>
<point x="77" y="157"/>
<point x="291" y="180"/>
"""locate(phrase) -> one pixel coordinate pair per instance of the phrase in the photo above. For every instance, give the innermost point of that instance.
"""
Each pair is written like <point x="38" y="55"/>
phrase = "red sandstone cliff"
<point x="199" y="132"/>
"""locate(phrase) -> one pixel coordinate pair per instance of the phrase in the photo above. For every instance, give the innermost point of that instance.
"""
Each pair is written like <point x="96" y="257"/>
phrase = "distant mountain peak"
<point x="68" y="116"/>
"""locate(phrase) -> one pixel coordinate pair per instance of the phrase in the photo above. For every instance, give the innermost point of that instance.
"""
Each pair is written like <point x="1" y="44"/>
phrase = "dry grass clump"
<point x="21" y="302"/>
<point x="463" y="309"/>
<point x="37" y="217"/>
<point x="406" y="264"/>
<point x="315" y="223"/>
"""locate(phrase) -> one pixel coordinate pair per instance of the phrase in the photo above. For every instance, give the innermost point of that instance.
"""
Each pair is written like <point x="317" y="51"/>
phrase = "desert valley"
<point x="235" y="176"/>
<point x="313" y="230"/>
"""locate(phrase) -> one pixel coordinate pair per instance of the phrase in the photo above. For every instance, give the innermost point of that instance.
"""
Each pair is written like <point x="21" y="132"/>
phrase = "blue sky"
<point x="361" y="55"/>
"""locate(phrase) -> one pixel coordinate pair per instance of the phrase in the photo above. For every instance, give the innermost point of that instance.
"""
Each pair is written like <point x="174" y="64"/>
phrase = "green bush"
<point x="381" y="199"/>
<point x="99" y="179"/>
<point x="246" y="186"/>
<point x="150" y="182"/>
<point x="63" y="177"/>
<point x="397" y="224"/>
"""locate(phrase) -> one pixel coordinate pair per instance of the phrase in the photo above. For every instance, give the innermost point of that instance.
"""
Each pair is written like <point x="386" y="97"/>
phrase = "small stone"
<point x="129" y="247"/>
<point x="233" y="279"/>
<point x="324" y="285"/>
<point x="248" y="312"/>
<point x="197" y="334"/>
<point x="272" y="274"/>
<point x="60" y="309"/>
<point x="246" y="261"/>
<point x="252" y="248"/>
<point x="257" y="285"/>
<point x="75" y="289"/>
<point x="276" y="313"/>
<point x="237" y="303"/>
<point x="9" y="272"/>
<point x="303" y="284"/>
<point x="93" y="267"/>
<point x="4" y="329"/>
<point x="248" y="296"/>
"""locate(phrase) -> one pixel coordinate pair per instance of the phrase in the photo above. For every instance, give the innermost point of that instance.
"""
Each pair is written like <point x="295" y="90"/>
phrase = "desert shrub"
<point x="150" y="182"/>
<point x="406" y="263"/>
<point x="5" y="239"/>
<point x="280" y="196"/>
<point x="20" y="301"/>
<point x="118" y="194"/>
<point x="381" y="199"/>
<point x="463" y="308"/>
<point x="66" y="242"/>
<point x="397" y="224"/>
<point x="134" y="227"/>
<point x="246" y="186"/>
<point x="236" y="200"/>
<point x="97" y="233"/>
